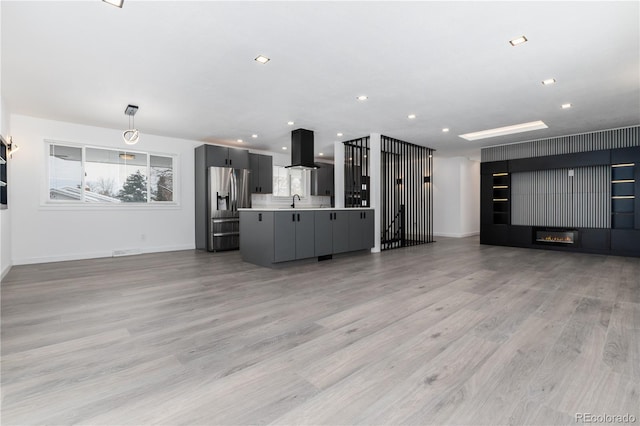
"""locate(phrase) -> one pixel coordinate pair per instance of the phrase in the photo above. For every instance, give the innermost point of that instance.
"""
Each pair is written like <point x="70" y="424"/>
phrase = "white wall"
<point x="43" y="233"/>
<point x="456" y="197"/>
<point x="5" y="215"/>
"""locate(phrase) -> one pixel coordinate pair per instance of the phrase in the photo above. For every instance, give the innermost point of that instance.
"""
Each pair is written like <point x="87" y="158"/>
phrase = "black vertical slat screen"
<point x="407" y="200"/>
<point x="356" y="173"/>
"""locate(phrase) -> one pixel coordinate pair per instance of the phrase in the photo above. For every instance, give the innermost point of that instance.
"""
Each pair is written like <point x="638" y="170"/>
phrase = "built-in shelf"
<point x="501" y="183"/>
<point x="622" y="196"/>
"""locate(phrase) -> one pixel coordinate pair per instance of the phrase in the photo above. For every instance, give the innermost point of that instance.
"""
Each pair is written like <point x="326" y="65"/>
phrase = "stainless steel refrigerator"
<point x="228" y="191"/>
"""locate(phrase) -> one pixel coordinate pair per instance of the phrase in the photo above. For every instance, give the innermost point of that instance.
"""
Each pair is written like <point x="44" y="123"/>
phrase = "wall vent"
<point x="127" y="252"/>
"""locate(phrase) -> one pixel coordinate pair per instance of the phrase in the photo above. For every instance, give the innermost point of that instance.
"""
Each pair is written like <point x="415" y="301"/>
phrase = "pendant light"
<point x="131" y="135"/>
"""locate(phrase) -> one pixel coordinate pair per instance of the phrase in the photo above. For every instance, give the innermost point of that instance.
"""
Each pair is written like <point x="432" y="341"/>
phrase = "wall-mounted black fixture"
<point x="427" y="179"/>
<point x="399" y="181"/>
<point x="12" y="147"/>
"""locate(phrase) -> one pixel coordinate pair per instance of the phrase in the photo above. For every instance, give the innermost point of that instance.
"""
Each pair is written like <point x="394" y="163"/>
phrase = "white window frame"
<point x="306" y="177"/>
<point x="47" y="203"/>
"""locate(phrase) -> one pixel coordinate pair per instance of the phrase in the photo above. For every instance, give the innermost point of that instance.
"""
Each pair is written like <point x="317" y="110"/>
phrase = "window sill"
<point x="108" y="207"/>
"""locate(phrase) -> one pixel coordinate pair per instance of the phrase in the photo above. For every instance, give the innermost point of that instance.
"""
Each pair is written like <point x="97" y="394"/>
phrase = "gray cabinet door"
<point x="368" y="229"/>
<point x="322" y="180"/>
<point x="221" y="156"/>
<point x="284" y="238"/>
<point x="361" y="229"/>
<point x="256" y="237"/>
<point x="324" y="232"/>
<point x="254" y="176"/>
<point x="305" y="234"/>
<point x="326" y="181"/>
<point x="217" y="156"/>
<point x="261" y="173"/>
<point x="341" y="231"/>
<point x="355" y="230"/>
<point x="266" y="174"/>
<point x="238" y="158"/>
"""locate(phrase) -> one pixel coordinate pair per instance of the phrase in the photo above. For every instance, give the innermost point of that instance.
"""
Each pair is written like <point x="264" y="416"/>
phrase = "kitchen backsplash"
<point x="269" y="201"/>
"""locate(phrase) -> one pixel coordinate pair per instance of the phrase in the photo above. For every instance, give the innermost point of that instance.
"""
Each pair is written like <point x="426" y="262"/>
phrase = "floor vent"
<point x="129" y="252"/>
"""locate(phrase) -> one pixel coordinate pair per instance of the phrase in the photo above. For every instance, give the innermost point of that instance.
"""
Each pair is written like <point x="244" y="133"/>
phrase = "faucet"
<point x="293" y="205"/>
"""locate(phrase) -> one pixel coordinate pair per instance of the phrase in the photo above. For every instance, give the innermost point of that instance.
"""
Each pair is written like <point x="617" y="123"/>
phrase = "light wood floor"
<point x="448" y="333"/>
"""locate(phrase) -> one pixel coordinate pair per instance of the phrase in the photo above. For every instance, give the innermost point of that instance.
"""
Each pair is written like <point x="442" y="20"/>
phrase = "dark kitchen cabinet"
<point x="272" y="236"/>
<point x="361" y="229"/>
<point x="331" y="232"/>
<point x="261" y="176"/>
<point x="322" y="180"/>
<point x="222" y="156"/>
<point x="293" y="235"/>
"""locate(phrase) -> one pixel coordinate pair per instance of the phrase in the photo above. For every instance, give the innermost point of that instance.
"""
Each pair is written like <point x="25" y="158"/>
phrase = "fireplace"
<point x="555" y="236"/>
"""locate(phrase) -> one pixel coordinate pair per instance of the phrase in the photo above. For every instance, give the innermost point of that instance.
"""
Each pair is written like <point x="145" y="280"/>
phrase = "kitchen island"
<point x="271" y="236"/>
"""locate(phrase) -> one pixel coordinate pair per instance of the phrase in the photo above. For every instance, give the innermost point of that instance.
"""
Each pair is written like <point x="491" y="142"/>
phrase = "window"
<point x="287" y="182"/>
<point x="108" y="176"/>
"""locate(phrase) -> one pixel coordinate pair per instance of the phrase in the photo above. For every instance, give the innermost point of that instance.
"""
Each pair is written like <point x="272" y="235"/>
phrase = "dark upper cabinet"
<point x="261" y="177"/>
<point x="222" y="156"/>
<point x="322" y="180"/>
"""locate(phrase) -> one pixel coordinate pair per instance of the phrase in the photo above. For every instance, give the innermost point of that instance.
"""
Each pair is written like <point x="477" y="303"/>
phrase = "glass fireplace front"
<point x="555" y="236"/>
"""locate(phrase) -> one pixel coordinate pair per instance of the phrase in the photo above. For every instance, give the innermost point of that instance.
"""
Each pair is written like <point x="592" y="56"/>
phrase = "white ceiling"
<point x="190" y="68"/>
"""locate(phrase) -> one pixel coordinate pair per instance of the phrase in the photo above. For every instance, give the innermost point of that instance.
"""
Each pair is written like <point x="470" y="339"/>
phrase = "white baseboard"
<point x="4" y="272"/>
<point x="96" y="255"/>
<point x="456" y="235"/>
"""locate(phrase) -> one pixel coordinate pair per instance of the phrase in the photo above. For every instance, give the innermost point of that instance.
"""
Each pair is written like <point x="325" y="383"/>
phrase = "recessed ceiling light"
<point x="411" y="116"/>
<point x="430" y="156"/>
<point x="507" y="130"/>
<point x="321" y="154"/>
<point x="116" y="3"/>
<point x="290" y="123"/>
<point x="445" y="130"/>
<point x="339" y="134"/>
<point x="565" y="106"/>
<point x="284" y="147"/>
<point x="240" y="140"/>
<point x="254" y="136"/>
<point x="518" y="40"/>
<point x="548" y="81"/>
<point x="362" y="98"/>
<point x="262" y="59"/>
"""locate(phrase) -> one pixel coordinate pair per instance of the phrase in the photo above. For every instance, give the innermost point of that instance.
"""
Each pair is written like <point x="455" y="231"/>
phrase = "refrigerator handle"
<point x="233" y="191"/>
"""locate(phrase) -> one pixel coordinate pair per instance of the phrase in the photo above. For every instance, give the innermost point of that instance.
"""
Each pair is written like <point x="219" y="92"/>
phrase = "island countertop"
<point x="305" y="209"/>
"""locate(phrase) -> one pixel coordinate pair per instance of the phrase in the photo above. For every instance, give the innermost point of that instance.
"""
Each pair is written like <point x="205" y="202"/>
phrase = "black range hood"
<point x="302" y="150"/>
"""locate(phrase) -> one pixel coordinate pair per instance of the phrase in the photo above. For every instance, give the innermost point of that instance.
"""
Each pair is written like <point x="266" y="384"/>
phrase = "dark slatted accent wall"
<point x="356" y="173"/>
<point x="553" y="198"/>
<point x="606" y="139"/>
<point x="407" y="196"/>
